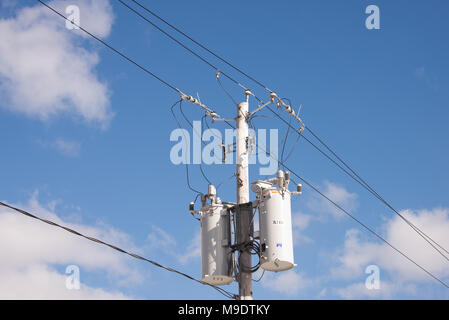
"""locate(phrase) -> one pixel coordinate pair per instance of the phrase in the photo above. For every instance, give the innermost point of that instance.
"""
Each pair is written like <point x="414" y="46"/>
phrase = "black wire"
<point x="362" y="224"/>
<point x="253" y="248"/>
<point x="426" y="237"/>
<point x="359" y="222"/>
<point x="368" y="228"/>
<point x="263" y="273"/>
<point x="422" y="234"/>
<point x="201" y="164"/>
<point x="361" y="181"/>
<point x="202" y="46"/>
<point x="286" y="137"/>
<point x="186" y="164"/>
<point x="201" y="133"/>
<point x="220" y="290"/>
<point x="180" y="43"/>
<point x="202" y="142"/>
<point x="369" y="188"/>
<point x="287" y="133"/>
<point x="293" y="148"/>
<point x="224" y="181"/>
<point x="110" y="47"/>
<point x="226" y="91"/>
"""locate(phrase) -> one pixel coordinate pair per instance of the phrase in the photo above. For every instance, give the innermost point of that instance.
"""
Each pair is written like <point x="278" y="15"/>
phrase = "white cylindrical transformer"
<point x="275" y="223"/>
<point x="216" y="245"/>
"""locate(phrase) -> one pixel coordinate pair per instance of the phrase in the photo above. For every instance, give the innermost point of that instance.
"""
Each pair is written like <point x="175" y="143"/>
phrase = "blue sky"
<point x="87" y="141"/>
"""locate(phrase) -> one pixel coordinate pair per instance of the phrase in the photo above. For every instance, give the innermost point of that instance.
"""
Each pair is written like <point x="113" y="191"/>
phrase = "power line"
<point x="200" y="45"/>
<point x="357" y="220"/>
<point x="112" y="48"/>
<point x="200" y="135"/>
<point x="435" y="245"/>
<point x="366" y="227"/>
<point x="220" y="290"/>
<point x="186" y="160"/>
<point x="373" y="191"/>
<point x="364" y="184"/>
<point x="182" y="45"/>
<point x="358" y="179"/>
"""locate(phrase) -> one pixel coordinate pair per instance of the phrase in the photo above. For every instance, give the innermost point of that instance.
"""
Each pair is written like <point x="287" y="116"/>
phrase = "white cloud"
<point x="357" y="253"/>
<point x="166" y="243"/>
<point x="288" y="282"/>
<point x="339" y="195"/>
<point x="387" y="290"/>
<point x="423" y="74"/>
<point x="193" y="250"/>
<point x="322" y="294"/>
<point x="300" y="222"/>
<point x="68" y="148"/>
<point x="161" y="239"/>
<point x="36" y="281"/>
<point x="32" y="250"/>
<point x="44" y="71"/>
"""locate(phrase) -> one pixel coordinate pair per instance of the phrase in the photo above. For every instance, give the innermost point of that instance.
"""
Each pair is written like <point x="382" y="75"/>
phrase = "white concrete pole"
<point x="243" y="214"/>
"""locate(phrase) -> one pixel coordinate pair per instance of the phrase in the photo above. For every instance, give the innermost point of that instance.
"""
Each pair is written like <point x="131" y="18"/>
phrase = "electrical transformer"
<point x="215" y="241"/>
<point x="275" y="223"/>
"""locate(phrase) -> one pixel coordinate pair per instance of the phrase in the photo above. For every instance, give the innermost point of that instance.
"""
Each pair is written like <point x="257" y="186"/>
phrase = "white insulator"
<point x="215" y="245"/>
<point x="275" y="223"/>
<point x="212" y="190"/>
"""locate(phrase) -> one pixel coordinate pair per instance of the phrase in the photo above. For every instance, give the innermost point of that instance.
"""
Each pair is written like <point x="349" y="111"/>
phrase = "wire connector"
<point x="290" y="110"/>
<point x="195" y="101"/>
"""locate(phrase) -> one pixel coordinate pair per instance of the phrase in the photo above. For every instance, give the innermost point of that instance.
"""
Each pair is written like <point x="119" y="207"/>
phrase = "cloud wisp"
<point x="44" y="69"/>
<point x="357" y="253"/>
<point x="35" y="253"/>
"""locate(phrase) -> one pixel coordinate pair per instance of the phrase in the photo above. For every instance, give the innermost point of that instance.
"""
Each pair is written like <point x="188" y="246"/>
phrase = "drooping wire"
<point x="251" y="246"/>
<point x="435" y="245"/>
<point x="366" y="227"/>
<point x="361" y="181"/>
<point x="420" y="232"/>
<point x="180" y="43"/>
<point x="284" y="141"/>
<point x="200" y="45"/>
<point x="260" y="278"/>
<point x="110" y="47"/>
<point x="224" y="181"/>
<point x="287" y="135"/>
<point x="200" y="134"/>
<point x="224" y="89"/>
<point x="374" y="192"/>
<point x="185" y="139"/>
<point x="220" y="290"/>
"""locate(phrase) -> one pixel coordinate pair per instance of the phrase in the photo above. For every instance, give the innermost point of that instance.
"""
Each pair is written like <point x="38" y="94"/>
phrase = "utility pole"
<point x="244" y="208"/>
<point x="280" y="245"/>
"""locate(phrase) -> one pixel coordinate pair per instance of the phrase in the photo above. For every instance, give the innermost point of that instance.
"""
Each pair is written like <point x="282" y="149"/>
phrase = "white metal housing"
<point x="215" y="245"/>
<point x="275" y="223"/>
